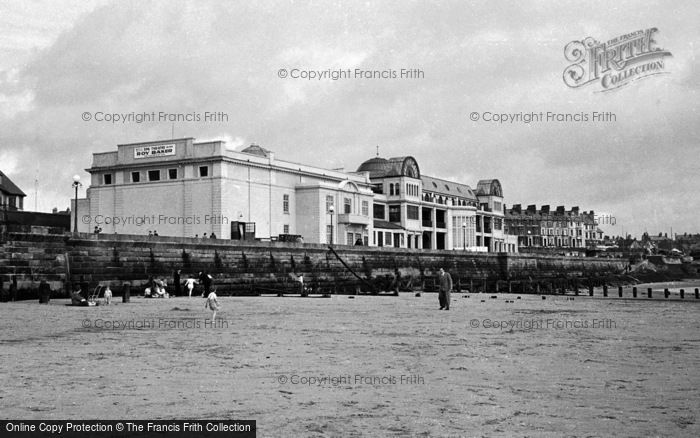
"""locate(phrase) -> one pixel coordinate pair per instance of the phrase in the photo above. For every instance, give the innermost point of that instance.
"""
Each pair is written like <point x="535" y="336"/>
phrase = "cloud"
<point x="183" y="57"/>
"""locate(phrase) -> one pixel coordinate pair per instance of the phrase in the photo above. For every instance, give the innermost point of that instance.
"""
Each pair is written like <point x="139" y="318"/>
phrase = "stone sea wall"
<point x="251" y="268"/>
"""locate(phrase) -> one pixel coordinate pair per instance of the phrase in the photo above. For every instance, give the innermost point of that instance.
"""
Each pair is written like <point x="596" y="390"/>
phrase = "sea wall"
<point x="269" y="267"/>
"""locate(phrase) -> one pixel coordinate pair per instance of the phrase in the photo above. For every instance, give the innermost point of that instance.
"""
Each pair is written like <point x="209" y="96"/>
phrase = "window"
<point x="397" y="189"/>
<point x="286" y="229"/>
<point x="135" y="176"/>
<point x="172" y="173"/>
<point x="349" y="239"/>
<point x="329" y="203"/>
<point x="379" y="212"/>
<point x="412" y="212"/>
<point x="394" y="213"/>
<point x="154" y="175"/>
<point x="347" y="204"/>
<point x="391" y="189"/>
<point x="203" y="171"/>
<point x="108" y="178"/>
<point x="365" y="208"/>
<point x="285" y="204"/>
<point x="498" y="223"/>
<point x="387" y="238"/>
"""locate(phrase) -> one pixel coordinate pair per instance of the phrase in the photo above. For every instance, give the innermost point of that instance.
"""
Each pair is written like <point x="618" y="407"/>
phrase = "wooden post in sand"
<point x="126" y="292"/>
<point x="648" y="292"/>
<point x="697" y="293"/>
<point x="590" y="288"/>
<point x="634" y="292"/>
<point x="619" y="291"/>
<point x="605" y="290"/>
<point x="682" y="294"/>
<point x="666" y="293"/>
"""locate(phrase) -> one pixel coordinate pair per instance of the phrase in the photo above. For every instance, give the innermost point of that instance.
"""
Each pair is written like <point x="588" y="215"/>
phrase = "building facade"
<point x="11" y="197"/>
<point x="412" y="210"/>
<point x="184" y="188"/>
<point x="553" y="229"/>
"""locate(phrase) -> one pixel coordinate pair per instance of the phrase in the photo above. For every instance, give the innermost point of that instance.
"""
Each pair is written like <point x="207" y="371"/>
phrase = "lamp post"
<point x="76" y="184"/>
<point x="464" y="234"/>
<point x="331" y="210"/>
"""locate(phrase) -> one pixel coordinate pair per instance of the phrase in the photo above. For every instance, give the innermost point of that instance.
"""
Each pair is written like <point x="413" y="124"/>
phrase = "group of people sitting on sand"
<point x="156" y="289"/>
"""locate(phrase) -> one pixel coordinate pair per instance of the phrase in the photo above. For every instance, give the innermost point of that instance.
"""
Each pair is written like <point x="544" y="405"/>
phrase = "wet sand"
<point x="334" y="367"/>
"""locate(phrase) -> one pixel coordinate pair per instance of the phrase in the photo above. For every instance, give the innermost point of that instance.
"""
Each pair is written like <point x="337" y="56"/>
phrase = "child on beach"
<point x="108" y="296"/>
<point x="213" y="304"/>
<point x="190" y="285"/>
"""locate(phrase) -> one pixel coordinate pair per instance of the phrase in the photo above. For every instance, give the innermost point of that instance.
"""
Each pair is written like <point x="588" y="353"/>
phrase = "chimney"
<point x="544" y="209"/>
<point x="532" y="209"/>
<point x="55" y="210"/>
<point x="516" y="208"/>
<point x="574" y="210"/>
<point x="561" y="209"/>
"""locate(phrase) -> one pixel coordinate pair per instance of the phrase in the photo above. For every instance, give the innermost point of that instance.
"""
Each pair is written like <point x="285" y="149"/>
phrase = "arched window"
<point x="391" y="189"/>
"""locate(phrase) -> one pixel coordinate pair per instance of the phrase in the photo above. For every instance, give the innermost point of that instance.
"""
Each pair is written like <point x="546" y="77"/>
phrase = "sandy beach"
<point x="363" y="366"/>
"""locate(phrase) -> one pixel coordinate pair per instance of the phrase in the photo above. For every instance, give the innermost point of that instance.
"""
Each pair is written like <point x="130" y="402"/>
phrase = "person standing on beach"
<point x="189" y="283"/>
<point x="205" y="280"/>
<point x="445" y="281"/>
<point x="213" y="304"/>
<point x="176" y="280"/>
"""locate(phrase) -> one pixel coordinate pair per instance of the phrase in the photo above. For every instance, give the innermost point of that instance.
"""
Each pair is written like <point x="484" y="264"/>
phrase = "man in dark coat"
<point x="445" y="281"/>
<point x="176" y="280"/>
<point x="205" y="280"/>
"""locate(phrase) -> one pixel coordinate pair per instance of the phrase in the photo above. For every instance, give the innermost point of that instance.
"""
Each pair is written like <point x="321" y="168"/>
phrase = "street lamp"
<point x="331" y="210"/>
<point x="76" y="184"/>
<point x="464" y="234"/>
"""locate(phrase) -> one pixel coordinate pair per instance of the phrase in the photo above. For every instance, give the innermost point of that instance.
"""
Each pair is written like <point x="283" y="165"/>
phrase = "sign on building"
<point x="161" y="150"/>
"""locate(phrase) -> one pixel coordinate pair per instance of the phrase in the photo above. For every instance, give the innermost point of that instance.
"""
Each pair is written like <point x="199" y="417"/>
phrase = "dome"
<point x="377" y="167"/>
<point x="396" y="166"/>
<point x="254" y="149"/>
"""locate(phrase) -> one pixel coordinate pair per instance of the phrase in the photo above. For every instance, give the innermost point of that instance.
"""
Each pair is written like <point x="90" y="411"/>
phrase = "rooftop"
<point x="8" y="187"/>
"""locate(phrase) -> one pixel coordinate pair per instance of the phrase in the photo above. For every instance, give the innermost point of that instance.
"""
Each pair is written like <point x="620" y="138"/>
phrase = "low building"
<point x="187" y="189"/>
<point x="11" y="197"/>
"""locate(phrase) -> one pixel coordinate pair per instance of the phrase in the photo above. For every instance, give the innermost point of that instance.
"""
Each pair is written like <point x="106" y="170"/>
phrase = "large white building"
<point x="182" y="188"/>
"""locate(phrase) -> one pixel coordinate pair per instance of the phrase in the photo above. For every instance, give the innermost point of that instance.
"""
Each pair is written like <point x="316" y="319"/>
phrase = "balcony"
<point x="356" y="219"/>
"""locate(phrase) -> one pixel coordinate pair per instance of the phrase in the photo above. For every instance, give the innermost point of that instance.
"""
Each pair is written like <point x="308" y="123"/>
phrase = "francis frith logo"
<point x="616" y="62"/>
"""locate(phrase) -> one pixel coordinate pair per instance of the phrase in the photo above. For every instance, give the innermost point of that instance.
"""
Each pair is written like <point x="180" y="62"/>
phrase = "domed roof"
<point x="254" y="149"/>
<point x="397" y="166"/>
<point x="377" y="167"/>
<point x="489" y="187"/>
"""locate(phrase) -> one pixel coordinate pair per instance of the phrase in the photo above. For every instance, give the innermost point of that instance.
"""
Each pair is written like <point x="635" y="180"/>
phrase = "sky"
<point x="62" y="59"/>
